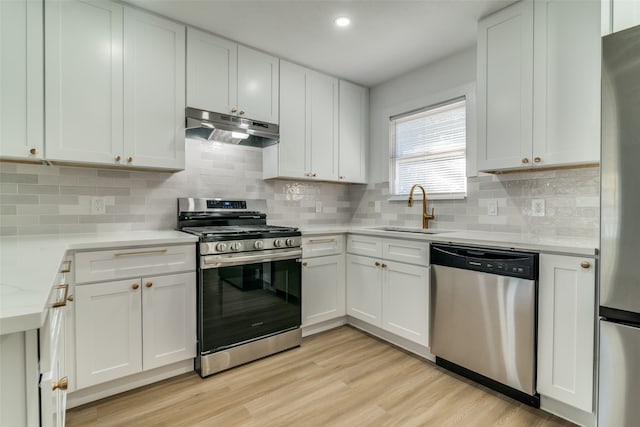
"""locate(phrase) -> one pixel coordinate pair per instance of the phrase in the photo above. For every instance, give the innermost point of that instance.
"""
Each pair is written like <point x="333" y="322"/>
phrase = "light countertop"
<point x="552" y="244"/>
<point x="29" y="265"/>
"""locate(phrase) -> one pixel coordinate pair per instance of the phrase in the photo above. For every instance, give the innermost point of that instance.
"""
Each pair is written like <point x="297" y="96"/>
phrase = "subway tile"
<point x="38" y="229"/>
<point x="18" y="178"/>
<point x="8" y="231"/>
<point x="8" y="188"/>
<point x="38" y="189"/>
<point x="18" y="199"/>
<point x="8" y="210"/>
<point x="58" y="199"/>
<point x="59" y="219"/>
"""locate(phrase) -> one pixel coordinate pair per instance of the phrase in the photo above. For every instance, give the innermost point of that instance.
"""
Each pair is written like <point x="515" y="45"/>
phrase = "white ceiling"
<point x="385" y="39"/>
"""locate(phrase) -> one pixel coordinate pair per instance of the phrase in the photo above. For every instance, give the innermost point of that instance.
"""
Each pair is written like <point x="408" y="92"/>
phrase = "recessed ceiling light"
<point x="342" y="21"/>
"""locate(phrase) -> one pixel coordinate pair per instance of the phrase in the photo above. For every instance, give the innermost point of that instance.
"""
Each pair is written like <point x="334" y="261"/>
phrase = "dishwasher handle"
<point x="495" y="261"/>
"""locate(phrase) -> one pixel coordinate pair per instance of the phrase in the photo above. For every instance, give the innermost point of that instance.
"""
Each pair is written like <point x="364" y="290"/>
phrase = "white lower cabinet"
<point x="323" y="289"/>
<point x="364" y="289"/>
<point x="128" y="326"/>
<point x="405" y="296"/>
<point x="391" y="295"/>
<point x="566" y="328"/>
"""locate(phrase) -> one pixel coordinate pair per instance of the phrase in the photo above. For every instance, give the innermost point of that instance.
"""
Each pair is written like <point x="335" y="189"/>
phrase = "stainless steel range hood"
<point x="210" y="126"/>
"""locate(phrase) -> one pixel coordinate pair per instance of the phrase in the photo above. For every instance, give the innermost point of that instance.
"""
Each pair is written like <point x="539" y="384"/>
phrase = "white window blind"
<point x="428" y="148"/>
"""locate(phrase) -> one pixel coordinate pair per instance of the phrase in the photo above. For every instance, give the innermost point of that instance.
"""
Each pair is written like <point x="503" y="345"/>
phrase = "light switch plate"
<point x="537" y="207"/>
<point x="492" y="208"/>
<point x="98" y="205"/>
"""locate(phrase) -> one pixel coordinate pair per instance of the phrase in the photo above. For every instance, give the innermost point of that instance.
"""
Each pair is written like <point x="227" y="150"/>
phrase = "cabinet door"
<point x="293" y="149"/>
<point x="405" y="292"/>
<point x="364" y="289"/>
<point x="108" y="331"/>
<point x="505" y="87"/>
<point x="566" y="115"/>
<point x="53" y="367"/>
<point x="354" y="124"/>
<point x="566" y="322"/>
<point x="323" y="289"/>
<point x="83" y="81"/>
<point x="626" y="14"/>
<point x="154" y="91"/>
<point x="21" y="74"/>
<point x="323" y="121"/>
<point x="258" y="79"/>
<point x="212" y="73"/>
<point x="168" y="319"/>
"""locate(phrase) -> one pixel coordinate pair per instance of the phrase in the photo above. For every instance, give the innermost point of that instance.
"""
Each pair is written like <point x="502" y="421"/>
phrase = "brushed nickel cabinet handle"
<point x="585" y="264"/>
<point x="135" y="286"/>
<point x="157" y="251"/>
<point x="322" y="240"/>
<point x="61" y="384"/>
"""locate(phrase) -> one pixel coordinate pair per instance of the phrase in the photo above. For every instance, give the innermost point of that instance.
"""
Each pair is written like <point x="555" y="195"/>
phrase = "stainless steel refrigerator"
<point x="619" y="373"/>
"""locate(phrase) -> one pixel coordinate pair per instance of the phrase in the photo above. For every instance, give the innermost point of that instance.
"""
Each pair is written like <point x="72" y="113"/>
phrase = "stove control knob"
<point x="236" y="246"/>
<point x="289" y="242"/>
<point x="258" y="244"/>
<point x="221" y="247"/>
<point x="278" y="243"/>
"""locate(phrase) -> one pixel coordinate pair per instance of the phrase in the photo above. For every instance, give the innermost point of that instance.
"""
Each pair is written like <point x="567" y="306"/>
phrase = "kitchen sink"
<point x="411" y="230"/>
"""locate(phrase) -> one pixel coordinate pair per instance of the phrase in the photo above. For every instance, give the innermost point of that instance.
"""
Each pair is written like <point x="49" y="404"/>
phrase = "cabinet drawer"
<point x="322" y="246"/>
<point x="133" y="262"/>
<point x="364" y="245"/>
<point x="407" y="251"/>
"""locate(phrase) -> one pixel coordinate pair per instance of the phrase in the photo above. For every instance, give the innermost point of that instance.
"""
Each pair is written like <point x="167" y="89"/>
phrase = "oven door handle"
<point x="215" y="261"/>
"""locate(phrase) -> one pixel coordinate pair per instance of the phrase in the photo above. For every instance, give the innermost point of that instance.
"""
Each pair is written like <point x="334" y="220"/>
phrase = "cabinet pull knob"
<point x="135" y="286"/>
<point x="70" y="298"/>
<point x="537" y="159"/>
<point x="66" y="269"/>
<point x="585" y="264"/>
<point x="34" y="151"/>
<point x="148" y="284"/>
<point x="384" y="265"/>
<point x="117" y="158"/>
<point x="234" y="109"/>
<point x="304" y="264"/>
<point x="313" y="174"/>
<point x="129" y="159"/>
<point x="525" y="161"/>
<point x="241" y="112"/>
<point x="61" y="384"/>
<point x="377" y="264"/>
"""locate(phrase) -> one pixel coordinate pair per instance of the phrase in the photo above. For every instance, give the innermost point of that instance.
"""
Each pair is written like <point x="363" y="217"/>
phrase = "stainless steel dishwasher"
<point x="483" y="316"/>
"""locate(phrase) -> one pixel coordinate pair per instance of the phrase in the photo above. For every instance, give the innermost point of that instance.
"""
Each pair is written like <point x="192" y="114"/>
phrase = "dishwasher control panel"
<point x="501" y="262"/>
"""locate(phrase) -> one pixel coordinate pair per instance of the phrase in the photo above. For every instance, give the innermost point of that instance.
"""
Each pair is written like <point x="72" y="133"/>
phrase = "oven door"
<point x="244" y="297"/>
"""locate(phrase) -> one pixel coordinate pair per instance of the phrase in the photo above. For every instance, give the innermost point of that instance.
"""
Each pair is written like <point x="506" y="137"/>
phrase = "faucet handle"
<point x="432" y="214"/>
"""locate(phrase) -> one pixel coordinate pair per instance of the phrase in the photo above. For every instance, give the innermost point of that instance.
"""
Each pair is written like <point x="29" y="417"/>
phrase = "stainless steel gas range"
<point x="249" y="301"/>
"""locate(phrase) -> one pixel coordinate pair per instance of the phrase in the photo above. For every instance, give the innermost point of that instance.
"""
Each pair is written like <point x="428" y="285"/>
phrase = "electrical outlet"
<point x="318" y="207"/>
<point x="98" y="205"/>
<point x="537" y="207"/>
<point x="492" y="208"/>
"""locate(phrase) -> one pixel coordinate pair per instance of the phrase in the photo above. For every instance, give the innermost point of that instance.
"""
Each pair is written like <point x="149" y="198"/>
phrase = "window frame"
<point x="466" y="92"/>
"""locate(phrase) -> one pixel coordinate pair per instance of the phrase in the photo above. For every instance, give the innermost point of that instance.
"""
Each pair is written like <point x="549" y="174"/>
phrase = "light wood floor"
<point x="342" y="377"/>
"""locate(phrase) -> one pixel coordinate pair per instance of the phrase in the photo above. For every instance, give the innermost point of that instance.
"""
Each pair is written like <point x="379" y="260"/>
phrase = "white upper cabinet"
<point x="103" y="63"/>
<point x="21" y="74"/>
<point x="153" y="101"/>
<point x="354" y="126"/>
<point x="258" y="80"/>
<point x="566" y="81"/>
<point x="539" y="106"/>
<point x="227" y="78"/>
<point x="84" y="81"/>
<point x="212" y="73"/>
<point x="308" y="145"/>
<point x="505" y="87"/>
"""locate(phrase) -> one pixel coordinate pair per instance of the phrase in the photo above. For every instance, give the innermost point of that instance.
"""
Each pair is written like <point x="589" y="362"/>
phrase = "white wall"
<point x="421" y="84"/>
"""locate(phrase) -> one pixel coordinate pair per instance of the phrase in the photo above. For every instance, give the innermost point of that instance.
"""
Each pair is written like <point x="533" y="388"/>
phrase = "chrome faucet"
<point x="425" y="216"/>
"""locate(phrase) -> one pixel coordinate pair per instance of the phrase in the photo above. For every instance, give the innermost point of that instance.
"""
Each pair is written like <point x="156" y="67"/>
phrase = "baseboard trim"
<point x="323" y="326"/>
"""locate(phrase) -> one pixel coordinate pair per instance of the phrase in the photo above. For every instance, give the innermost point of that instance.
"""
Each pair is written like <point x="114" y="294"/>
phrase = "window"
<point x="428" y="148"/>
